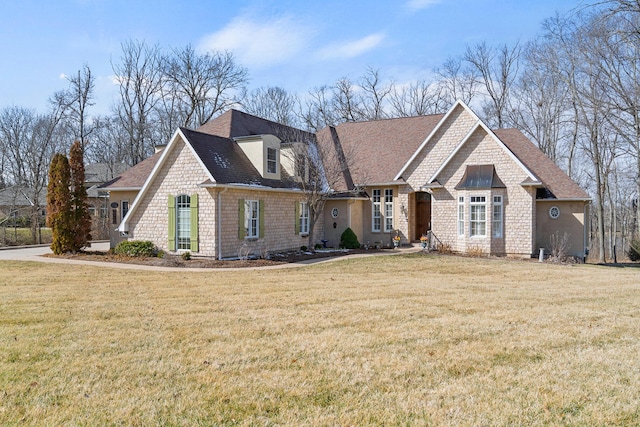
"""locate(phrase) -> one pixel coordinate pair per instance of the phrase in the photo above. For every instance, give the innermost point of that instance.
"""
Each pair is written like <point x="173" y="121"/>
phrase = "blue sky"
<point x="293" y="44"/>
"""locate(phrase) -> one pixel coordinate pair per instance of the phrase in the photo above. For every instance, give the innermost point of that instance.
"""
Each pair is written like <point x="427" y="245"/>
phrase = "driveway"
<point x="35" y="253"/>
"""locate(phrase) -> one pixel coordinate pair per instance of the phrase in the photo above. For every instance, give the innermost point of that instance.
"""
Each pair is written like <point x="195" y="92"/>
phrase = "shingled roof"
<point x="551" y="176"/>
<point x="227" y="163"/>
<point x="380" y="148"/>
<point x="234" y="123"/>
<point x="135" y="177"/>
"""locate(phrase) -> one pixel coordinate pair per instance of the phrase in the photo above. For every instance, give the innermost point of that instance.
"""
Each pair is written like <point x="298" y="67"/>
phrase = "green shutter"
<point x="261" y="213"/>
<point x="297" y="218"/>
<point x="241" y="230"/>
<point x="194" y="223"/>
<point x="172" y="222"/>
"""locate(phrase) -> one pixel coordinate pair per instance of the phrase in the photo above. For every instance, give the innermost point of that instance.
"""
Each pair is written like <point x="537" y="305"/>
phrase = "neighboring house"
<point x="19" y="203"/>
<point x="227" y="186"/>
<point x="473" y="188"/>
<point x="95" y="175"/>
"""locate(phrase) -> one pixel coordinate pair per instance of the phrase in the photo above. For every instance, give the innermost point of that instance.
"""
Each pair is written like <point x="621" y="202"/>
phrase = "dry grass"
<point x="403" y="340"/>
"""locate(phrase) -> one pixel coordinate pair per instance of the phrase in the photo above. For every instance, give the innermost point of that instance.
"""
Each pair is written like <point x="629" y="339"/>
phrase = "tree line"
<point x="574" y="90"/>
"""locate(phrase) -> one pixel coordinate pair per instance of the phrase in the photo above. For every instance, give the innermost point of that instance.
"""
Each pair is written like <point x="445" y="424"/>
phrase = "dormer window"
<point x="272" y="160"/>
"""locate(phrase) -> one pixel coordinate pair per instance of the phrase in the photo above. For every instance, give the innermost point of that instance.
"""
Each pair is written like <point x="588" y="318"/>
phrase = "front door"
<point x="423" y="214"/>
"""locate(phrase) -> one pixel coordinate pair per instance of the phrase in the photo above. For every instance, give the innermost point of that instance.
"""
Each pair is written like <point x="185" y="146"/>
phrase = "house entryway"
<point x="423" y="214"/>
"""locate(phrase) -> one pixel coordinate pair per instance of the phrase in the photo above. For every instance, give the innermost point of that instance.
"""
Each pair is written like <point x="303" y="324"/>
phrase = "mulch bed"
<point x="169" y="260"/>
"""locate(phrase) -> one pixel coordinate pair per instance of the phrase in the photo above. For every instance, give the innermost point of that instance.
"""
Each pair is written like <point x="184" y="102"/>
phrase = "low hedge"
<point x="136" y="248"/>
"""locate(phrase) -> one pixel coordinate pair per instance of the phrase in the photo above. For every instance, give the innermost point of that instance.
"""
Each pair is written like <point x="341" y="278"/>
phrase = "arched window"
<point x="183" y="222"/>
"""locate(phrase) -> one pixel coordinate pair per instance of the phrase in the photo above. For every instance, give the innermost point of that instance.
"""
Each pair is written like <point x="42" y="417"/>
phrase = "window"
<point x="478" y="216"/>
<point x="497" y="216"/>
<point x="388" y="209"/>
<point x="304" y="218"/>
<point x="183" y="221"/>
<point x="272" y="160"/>
<point x="461" y="216"/>
<point x="124" y="204"/>
<point x="251" y="219"/>
<point x="376" y="211"/>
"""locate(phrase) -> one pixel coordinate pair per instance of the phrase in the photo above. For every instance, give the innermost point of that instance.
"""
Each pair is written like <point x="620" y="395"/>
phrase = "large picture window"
<point x="497" y="216"/>
<point x="183" y="221"/>
<point x="478" y="216"/>
<point x="251" y="218"/>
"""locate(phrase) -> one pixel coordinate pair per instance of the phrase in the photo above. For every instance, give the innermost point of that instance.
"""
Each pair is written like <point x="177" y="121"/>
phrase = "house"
<point x="221" y="190"/>
<point x="19" y="203"/>
<point x="228" y="187"/>
<point x="472" y="188"/>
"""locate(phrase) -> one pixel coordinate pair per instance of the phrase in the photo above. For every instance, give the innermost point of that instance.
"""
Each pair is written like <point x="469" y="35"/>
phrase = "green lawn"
<point x="391" y="340"/>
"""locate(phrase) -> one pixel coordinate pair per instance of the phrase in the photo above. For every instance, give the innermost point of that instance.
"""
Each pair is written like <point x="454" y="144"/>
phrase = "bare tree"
<point x="203" y="85"/>
<point x="347" y="102"/>
<point x="374" y="95"/>
<point x="317" y="110"/>
<point x="417" y="99"/>
<point x="140" y="78"/>
<point x="75" y="101"/>
<point x="498" y="69"/>
<point x="273" y="103"/>
<point x="457" y="81"/>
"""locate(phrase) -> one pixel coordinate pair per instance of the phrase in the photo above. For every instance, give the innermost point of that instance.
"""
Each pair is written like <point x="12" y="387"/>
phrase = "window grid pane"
<point x="304" y="218"/>
<point x="183" y="220"/>
<point x="497" y="216"/>
<point x="460" y="216"/>
<point x="251" y="218"/>
<point x="388" y="210"/>
<point x="478" y="216"/>
<point x="376" y="211"/>
<point x="271" y="160"/>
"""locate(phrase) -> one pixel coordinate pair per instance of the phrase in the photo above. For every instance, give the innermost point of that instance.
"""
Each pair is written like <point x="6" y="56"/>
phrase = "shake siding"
<point x="518" y="201"/>
<point x="180" y="174"/>
<point x="279" y="222"/>
<point x="441" y="145"/>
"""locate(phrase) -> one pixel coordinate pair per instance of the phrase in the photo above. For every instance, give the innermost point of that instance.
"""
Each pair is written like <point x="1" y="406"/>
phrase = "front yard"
<point x="410" y="340"/>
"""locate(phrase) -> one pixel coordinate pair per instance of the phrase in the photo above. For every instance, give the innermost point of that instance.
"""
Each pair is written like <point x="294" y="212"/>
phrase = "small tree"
<point x="81" y="219"/>
<point x="59" y="216"/>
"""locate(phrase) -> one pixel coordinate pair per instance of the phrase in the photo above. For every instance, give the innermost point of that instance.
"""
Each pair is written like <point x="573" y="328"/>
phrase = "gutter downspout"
<point x="219" y="221"/>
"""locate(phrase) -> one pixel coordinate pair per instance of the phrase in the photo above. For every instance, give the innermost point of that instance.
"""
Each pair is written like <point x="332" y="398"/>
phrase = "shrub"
<point x="186" y="256"/>
<point x="559" y="247"/>
<point x="317" y="246"/>
<point x="135" y="248"/>
<point x="475" y="251"/>
<point x="634" y="250"/>
<point x="303" y="248"/>
<point x="349" y="240"/>
<point x="445" y="248"/>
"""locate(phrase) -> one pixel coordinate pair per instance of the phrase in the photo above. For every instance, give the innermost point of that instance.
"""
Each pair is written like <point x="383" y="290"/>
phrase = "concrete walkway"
<point x="35" y="253"/>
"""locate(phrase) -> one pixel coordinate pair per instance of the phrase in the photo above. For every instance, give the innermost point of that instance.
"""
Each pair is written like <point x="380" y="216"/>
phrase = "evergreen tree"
<point x="81" y="219"/>
<point x="59" y="216"/>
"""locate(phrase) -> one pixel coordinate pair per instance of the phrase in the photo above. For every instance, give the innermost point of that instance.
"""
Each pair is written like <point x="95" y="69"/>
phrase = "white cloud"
<point x="351" y="49"/>
<point x="421" y="4"/>
<point x="259" y="43"/>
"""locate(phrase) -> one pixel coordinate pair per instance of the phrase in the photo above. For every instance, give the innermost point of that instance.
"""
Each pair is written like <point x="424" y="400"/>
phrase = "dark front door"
<point x="423" y="214"/>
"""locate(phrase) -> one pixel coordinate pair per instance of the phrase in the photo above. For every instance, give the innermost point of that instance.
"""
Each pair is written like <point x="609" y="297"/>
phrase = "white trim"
<point x="124" y="224"/>
<point x="250" y="187"/>
<point x="489" y="132"/>
<point x="431" y="134"/>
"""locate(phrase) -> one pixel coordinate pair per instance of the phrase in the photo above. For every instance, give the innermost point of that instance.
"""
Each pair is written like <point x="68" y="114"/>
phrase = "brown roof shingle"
<point x="135" y="177"/>
<point x="378" y="149"/>
<point x="551" y="176"/>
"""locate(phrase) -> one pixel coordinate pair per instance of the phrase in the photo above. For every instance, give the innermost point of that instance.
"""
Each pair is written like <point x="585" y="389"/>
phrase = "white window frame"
<point x="124" y="208"/>
<point x="460" y="215"/>
<point x="252" y="219"/>
<point x="478" y="216"/>
<point x="497" y="217"/>
<point x="272" y="163"/>
<point x="183" y="222"/>
<point x="304" y="218"/>
<point x="388" y="209"/>
<point x="376" y="210"/>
